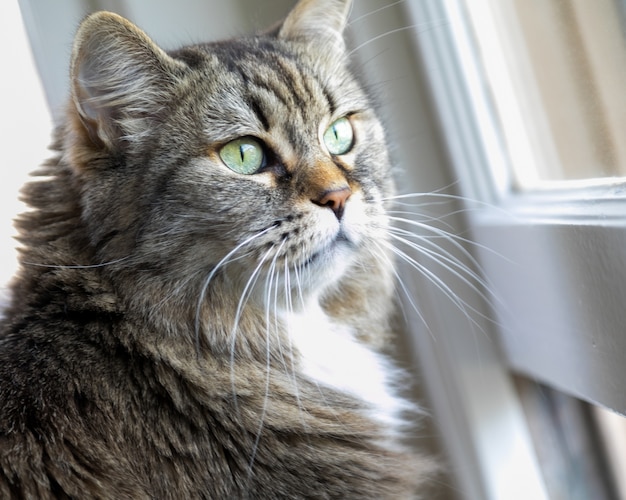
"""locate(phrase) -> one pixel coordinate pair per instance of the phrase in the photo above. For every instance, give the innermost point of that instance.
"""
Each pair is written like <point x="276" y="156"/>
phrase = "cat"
<point x="205" y="298"/>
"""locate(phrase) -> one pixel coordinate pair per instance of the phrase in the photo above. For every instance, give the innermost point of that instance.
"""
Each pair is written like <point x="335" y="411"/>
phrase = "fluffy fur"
<point x="180" y="330"/>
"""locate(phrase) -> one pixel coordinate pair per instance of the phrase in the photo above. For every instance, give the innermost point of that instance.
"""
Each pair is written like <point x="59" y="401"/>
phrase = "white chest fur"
<point x="332" y="357"/>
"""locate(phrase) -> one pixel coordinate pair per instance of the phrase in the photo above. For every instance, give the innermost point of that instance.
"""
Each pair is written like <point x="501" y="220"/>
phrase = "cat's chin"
<point x="325" y="255"/>
<point x="327" y="265"/>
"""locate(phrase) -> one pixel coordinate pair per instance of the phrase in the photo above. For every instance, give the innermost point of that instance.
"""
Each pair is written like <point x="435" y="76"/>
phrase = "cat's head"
<point x="259" y="155"/>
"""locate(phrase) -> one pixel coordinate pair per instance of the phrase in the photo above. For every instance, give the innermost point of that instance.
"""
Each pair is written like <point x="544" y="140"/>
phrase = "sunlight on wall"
<point x="24" y="129"/>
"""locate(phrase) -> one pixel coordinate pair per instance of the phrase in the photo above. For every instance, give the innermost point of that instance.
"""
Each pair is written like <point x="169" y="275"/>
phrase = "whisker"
<point x="226" y="259"/>
<point x="442" y="190"/>
<point x="271" y="281"/>
<point x="452" y="265"/>
<point x="423" y="218"/>
<point x="90" y="266"/>
<point x="289" y="308"/>
<point x="439" y="283"/>
<point x="242" y="300"/>
<point x="466" y="201"/>
<point x="421" y="204"/>
<point x="407" y="293"/>
<point x="375" y="11"/>
<point x="422" y="241"/>
<point x="275" y="272"/>
<point x="421" y="27"/>
<point x="299" y="284"/>
<point x="454" y="239"/>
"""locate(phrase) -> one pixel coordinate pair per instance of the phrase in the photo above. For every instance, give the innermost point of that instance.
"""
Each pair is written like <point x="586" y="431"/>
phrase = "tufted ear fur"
<point x="322" y="20"/>
<point x="120" y="79"/>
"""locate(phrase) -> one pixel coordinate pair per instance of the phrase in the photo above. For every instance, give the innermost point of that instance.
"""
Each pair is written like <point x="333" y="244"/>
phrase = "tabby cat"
<point x="204" y="296"/>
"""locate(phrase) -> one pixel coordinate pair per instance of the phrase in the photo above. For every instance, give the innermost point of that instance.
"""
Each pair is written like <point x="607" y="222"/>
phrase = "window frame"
<point x="558" y="221"/>
<point x="553" y="257"/>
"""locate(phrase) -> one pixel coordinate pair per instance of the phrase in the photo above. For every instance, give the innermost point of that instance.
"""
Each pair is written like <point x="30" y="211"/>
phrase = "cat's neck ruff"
<point x="331" y="356"/>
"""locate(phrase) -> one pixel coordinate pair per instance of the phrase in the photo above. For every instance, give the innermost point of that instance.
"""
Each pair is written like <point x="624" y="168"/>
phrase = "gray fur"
<point x="143" y="354"/>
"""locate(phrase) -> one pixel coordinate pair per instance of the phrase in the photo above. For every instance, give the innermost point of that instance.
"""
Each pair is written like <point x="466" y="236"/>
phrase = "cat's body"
<point x="182" y="327"/>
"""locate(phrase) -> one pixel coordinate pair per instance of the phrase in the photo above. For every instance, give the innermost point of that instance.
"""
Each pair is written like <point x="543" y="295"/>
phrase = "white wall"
<point x="24" y="128"/>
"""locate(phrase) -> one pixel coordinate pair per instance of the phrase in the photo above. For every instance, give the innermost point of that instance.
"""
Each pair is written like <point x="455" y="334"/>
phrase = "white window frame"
<point x="569" y="240"/>
<point x="556" y="259"/>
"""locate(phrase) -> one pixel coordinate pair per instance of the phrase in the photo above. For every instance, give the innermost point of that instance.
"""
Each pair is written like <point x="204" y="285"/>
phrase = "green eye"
<point x="339" y="137"/>
<point x="244" y="155"/>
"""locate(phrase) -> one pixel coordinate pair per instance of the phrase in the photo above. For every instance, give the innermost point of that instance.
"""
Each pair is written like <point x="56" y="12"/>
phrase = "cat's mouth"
<point x="340" y="244"/>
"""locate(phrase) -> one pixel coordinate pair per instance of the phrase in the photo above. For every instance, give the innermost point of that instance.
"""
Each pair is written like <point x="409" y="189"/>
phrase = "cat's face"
<point x="261" y="156"/>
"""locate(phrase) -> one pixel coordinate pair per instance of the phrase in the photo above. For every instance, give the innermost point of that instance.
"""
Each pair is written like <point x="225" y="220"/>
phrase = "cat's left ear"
<point x="120" y="79"/>
<point x="317" y="20"/>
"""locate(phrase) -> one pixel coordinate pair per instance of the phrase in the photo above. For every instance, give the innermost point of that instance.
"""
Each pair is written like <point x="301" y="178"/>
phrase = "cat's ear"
<point x="120" y="79"/>
<point x="317" y="20"/>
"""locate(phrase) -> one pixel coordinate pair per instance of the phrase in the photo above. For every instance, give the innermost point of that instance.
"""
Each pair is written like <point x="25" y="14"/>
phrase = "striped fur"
<point x="179" y="330"/>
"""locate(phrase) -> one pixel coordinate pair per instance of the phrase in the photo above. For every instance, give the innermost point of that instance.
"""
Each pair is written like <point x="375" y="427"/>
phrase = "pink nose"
<point x="335" y="199"/>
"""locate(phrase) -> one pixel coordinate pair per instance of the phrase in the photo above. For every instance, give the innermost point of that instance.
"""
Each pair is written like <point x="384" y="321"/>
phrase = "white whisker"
<point x="289" y="309"/>
<point x="454" y="239"/>
<point x="438" y="252"/>
<point x="226" y="259"/>
<point x="407" y="293"/>
<point x="438" y="283"/>
<point x="271" y="282"/>
<point x="468" y="203"/>
<point x="90" y="266"/>
<point x="458" y="269"/>
<point x="299" y="284"/>
<point x="375" y="11"/>
<point x="423" y="218"/>
<point x="418" y="27"/>
<point x="242" y="300"/>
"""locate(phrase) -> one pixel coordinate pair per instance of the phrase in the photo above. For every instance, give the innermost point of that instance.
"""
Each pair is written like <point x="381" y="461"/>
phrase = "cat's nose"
<point x="335" y="199"/>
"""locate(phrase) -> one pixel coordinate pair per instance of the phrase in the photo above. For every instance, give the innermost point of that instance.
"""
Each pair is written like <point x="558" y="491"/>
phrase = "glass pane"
<point x="612" y="428"/>
<point x="556" y="71"/>
<point x="570" y="449"/>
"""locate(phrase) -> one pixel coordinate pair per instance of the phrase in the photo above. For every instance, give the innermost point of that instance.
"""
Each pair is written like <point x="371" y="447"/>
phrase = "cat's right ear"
<point x="120" y="79"/>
